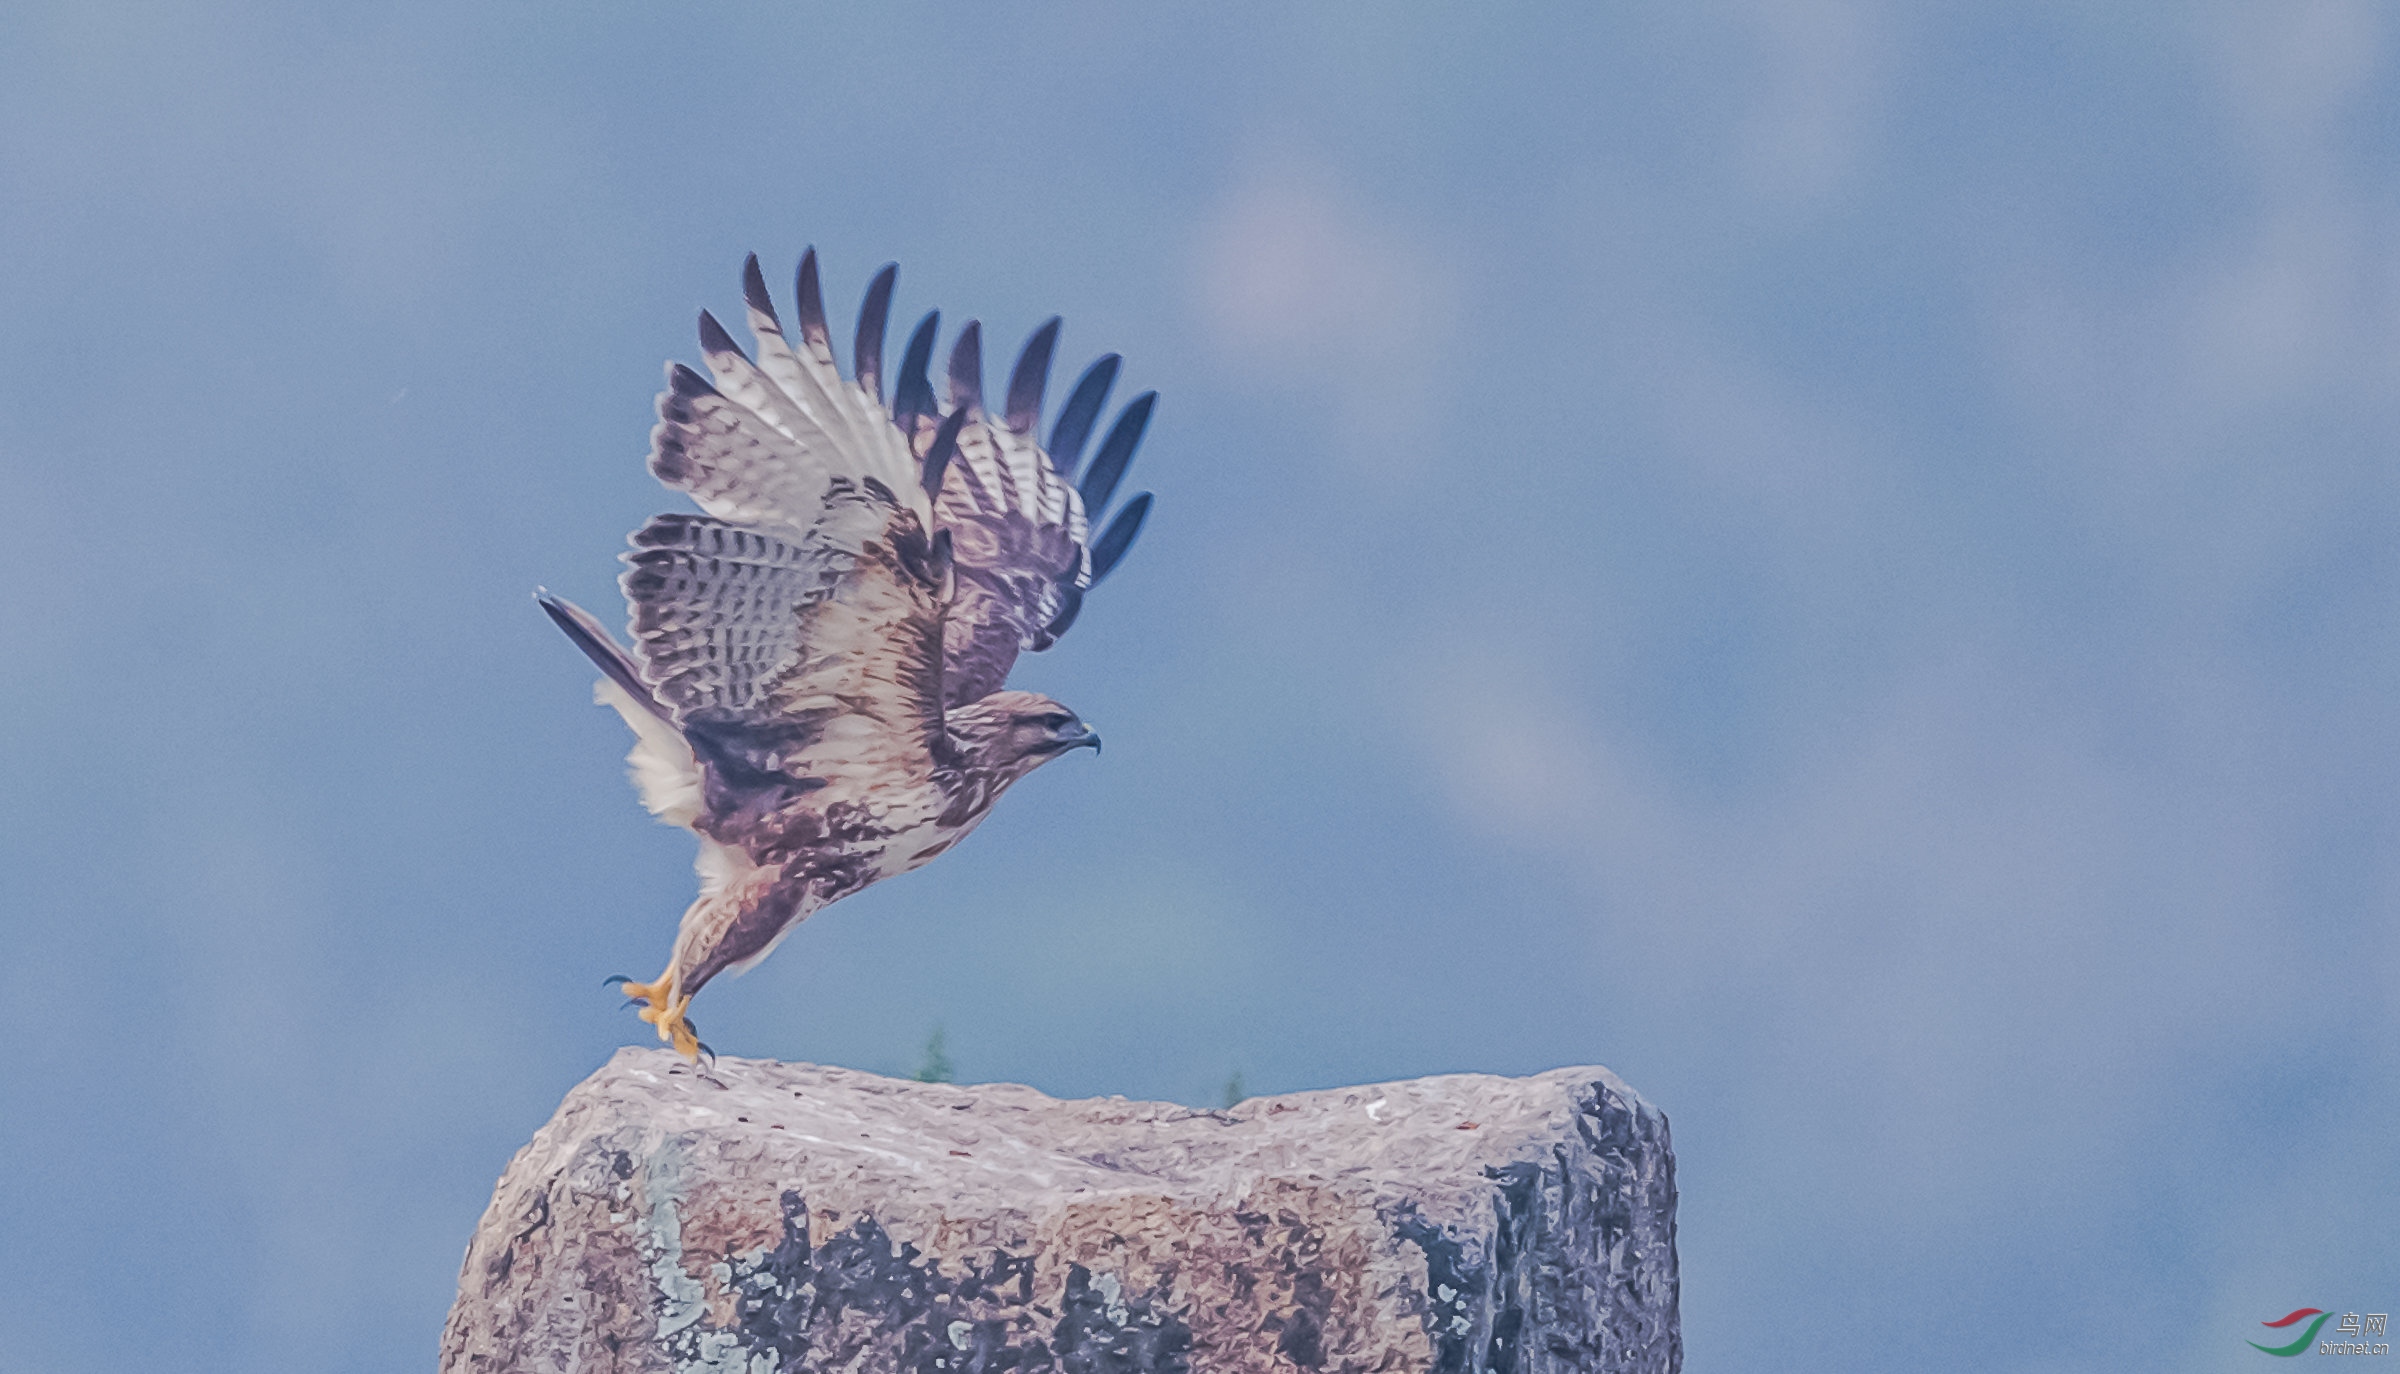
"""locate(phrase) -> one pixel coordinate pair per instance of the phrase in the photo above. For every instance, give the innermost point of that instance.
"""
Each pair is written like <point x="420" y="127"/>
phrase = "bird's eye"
<point x="1055" y="721"/>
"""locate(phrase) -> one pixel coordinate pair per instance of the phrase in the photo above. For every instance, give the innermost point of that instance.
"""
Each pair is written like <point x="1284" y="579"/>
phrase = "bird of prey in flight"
<point x="816" y="680"/>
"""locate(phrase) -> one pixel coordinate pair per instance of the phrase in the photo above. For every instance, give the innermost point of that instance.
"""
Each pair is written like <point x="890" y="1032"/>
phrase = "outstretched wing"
<point x="765" y="445"/>
<point x="760" y="442"/>
<point x="1021" y="527"/>
<point x="800" y="664"/>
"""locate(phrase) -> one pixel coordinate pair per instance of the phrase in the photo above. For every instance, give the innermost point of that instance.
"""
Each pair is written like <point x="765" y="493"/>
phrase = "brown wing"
<point x="759" y="444"/>
<point x="1020" y="529"/>
<point x="805" y="671"/>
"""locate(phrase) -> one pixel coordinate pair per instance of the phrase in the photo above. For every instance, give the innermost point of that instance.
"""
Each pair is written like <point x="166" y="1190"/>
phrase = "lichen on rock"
<point x="761" y="1217"/>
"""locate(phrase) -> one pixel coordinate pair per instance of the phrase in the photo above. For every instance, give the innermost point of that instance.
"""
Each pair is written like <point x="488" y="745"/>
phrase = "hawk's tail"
<point x="601" y="649"/>
<point x="663" y="768"/>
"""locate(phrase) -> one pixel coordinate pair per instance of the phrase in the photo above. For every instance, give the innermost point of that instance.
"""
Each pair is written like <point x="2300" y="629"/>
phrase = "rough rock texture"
<point x="775" y="1217"/>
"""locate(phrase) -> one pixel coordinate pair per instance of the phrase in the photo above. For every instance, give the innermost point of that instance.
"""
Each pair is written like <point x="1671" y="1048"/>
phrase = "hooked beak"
<point x="1089" y="736"/>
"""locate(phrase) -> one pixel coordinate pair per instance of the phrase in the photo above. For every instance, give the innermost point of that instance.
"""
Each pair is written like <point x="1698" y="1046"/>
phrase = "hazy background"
<point x="1837" y="560"/>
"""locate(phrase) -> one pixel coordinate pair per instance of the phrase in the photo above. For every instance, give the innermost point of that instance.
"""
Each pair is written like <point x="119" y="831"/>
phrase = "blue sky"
<point x="1833" y="558"/>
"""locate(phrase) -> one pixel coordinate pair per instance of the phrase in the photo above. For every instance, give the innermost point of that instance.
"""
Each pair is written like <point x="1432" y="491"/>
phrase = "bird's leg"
<point x="664" y="1009"/>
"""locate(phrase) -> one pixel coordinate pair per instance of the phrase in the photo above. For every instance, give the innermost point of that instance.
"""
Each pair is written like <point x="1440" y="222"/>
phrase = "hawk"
<point x="816" y="679"/>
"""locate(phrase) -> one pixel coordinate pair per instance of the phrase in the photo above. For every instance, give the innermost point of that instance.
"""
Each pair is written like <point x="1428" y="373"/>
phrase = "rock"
<point x="760" y="1217"/>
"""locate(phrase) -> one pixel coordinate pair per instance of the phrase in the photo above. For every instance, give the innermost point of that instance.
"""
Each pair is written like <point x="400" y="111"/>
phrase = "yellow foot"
<point x="676" y="1031"/>
<point x="665" y="1011"/>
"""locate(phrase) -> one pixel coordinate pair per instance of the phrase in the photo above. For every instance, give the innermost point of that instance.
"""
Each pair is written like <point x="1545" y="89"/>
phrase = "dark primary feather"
<point x="866" y="354"/>
<point x="1075" y="420"/>
<point x="754" y="290"/>
<point x="1032" y="375"/>
<point x="945" y="448"/>
<point x="812" y="308"/>
<point x="714" y="339"/>
<point x="1071" y="604"/>
<point x="966" y="368"/>
<point x="601" y="648"/>
<point x="1113" y="543"/>
<point x="913" y="396"/>
<point x="1115" y="452"/>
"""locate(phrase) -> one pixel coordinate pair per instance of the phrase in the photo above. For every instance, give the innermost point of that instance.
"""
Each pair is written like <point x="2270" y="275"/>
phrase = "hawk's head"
<point x="1013" y="733"/>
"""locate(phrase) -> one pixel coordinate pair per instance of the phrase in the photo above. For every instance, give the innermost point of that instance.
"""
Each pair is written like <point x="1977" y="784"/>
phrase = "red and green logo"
<point x="2306" y="1337"/>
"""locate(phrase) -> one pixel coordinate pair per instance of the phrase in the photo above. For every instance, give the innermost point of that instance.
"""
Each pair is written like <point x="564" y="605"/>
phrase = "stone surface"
<point x="760" y="1216"/>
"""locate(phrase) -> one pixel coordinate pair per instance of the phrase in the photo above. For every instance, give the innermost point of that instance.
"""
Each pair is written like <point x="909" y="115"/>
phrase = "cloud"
<point x="1811" y="130"/>
<point x="1301" y="284"/>
<point x="1524" y="768"/>
<point x="2203" y="411"/>
<point x="2288" y="71"/>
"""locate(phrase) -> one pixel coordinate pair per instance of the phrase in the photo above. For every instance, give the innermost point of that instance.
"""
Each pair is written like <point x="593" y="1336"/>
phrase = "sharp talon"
<point x="613" y="979"/>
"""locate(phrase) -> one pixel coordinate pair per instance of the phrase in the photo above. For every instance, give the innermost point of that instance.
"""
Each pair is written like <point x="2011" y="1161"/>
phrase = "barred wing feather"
<point x="1021" y="529"/>
<point x="797" y="663"/>
<point x="769" y="444"/>
<point x="760" y="442"/>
